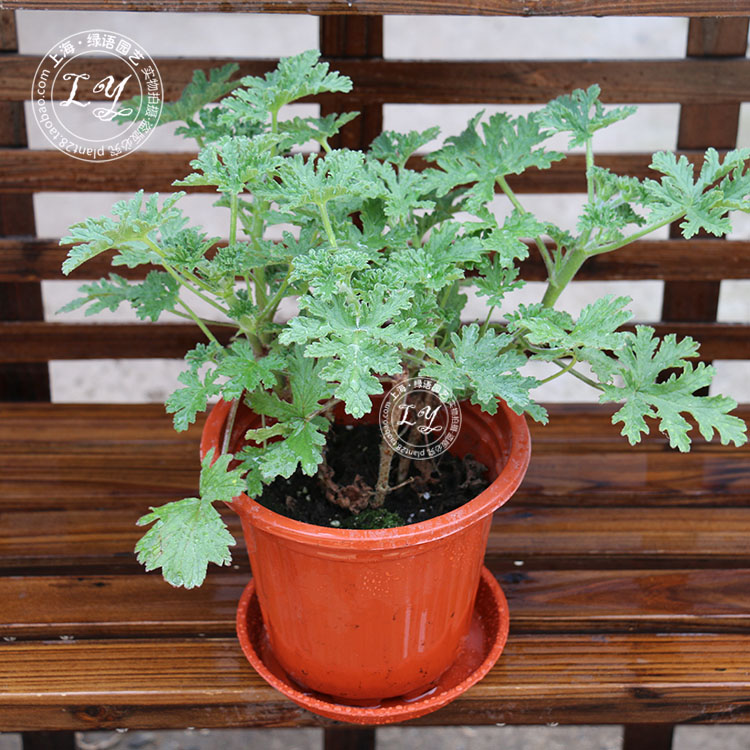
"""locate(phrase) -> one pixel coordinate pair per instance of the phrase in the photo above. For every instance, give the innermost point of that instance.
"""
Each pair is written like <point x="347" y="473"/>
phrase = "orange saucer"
<point x="481" y="649"/>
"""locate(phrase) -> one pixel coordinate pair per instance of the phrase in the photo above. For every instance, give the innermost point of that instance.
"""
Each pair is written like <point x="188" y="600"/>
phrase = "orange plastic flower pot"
<point x="364" y="615"/>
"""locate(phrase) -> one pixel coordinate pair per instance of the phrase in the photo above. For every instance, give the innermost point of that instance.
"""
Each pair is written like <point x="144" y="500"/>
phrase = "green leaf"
<point x="357" y="337"/>
<point x="441" y="260"/>
<point x="703" y="203"/>
<point x="234" y="164"/>
<point x="299" y="130"/>
<point x="244" y="372"/>
<point x="580" y="114"/>
<point x="185" y="403"/>
<point x="218" y="482"/>
<point x="202" y="90"/>
<point x="134" y="222"/>
<point x="507" y="146"/>
<point x="315" y="181"/>
<point x="640" y="363"/>
<point x="596" y="328"/>
<point x="478" y="368"/>
<point x="186" y="536"/>
<point x="396" y="148"/>
<point x="158" y="293"/>
<point x="100" y="295"/>
<point x="294" y="78"/>
<point x="402" y="191"/>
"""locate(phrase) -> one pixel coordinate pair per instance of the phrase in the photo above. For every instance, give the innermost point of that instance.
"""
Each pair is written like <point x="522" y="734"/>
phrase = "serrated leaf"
<point x="640" y="364"/>
<point x="201" y="90"/>
<point x="234" y="164"/>
<point x="507" y="146"/>
<point x="134" y="221"/>
<point x="596" y="328"/>
<point x="396" y="148"/>
<point x="580" y="114"/>
<point x="478" y="368"/>
<point x="186" y="536"/>
<point x="105" y="294"/>
<point x="294" y="78"/>
<point x="299" y="130"/>
<point x="244" y="372"/>
<point x="218" y="482"/>
<point x="185" y="403"/>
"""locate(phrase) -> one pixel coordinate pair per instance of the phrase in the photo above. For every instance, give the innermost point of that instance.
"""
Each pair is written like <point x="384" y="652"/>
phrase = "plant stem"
<point x="589" y="165"/>
<point x="548" y="264"/>
<point x="233" y="219"/>
<point x="229" y="427"/>
<point x="565" y="369"/>
<point x="180" y="279"/>
<point x="205" y="320"/>
<point x="566" y="271"/>
<point x="384" y="472"/>
<point x="199" y="322"/>
<point x="327" y="225"/>
<point x="635" y="236"/>
<point x="578" y="375"/>
<point x="486" y="323"/>
<point x="270" y="309"/>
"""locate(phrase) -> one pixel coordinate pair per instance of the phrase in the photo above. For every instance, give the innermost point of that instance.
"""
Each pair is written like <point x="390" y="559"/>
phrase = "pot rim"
<point x="498" y="492"/>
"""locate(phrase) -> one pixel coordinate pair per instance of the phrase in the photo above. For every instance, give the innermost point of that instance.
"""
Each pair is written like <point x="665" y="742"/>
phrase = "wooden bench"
<point x="627" y="570"/>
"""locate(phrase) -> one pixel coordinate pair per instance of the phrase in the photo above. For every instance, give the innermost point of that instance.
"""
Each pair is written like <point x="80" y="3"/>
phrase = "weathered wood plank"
<point x="606" y="537"/>
<point x="694" y="8"/>
<point x="40" y="342"/>
<point x="541" y="601"/>
<point x="31" y="259"/>
<point x="35" y="171"/>
<point x="562" y="678"/>
<point x="19" y="300"/>
<point x="455" y="82"/>
<point x="702" y="125"/>
<point x="128" y="455"/>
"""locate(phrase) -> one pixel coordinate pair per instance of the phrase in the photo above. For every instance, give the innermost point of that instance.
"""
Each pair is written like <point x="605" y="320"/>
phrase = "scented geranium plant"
<point x="376" y="256"/>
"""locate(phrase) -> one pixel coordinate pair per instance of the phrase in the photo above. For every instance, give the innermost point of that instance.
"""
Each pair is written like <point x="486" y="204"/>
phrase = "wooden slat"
<point x="456" y="82"/>
<point x="607" y="538"/>
<point x="35" y="171"/>
<point x="115" y="456"/>
<point x="342" y="38"/>
<point x="703" y="125"/>
<point x="695" y="8"/>
<point x="19" y="381"/>
<point x="40" y="342"/>
<point x="539" y="679"/>
<point x="541" y="601"/>
<point x="31" y="259"/>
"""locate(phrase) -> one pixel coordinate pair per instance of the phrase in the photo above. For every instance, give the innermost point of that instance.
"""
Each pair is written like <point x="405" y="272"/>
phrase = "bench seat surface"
<point x="627" y="572"/>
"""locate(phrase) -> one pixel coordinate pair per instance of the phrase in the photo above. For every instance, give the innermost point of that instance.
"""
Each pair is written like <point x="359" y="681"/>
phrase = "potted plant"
<point x="366" y="530"/>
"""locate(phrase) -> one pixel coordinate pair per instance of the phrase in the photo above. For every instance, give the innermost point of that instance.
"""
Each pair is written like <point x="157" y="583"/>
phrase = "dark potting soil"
<point x="352" y="453"/>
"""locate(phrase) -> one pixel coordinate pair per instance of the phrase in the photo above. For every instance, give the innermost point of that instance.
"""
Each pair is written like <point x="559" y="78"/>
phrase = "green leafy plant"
<point x="376" y="256"/>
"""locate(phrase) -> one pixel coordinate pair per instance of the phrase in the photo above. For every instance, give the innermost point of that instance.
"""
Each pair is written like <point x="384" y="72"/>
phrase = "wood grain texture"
<point x="31" y="259"/>
<point x="33" y="171"/>
<point x="19" y="300"/>
<point x="690" y="81"/>
<point x="88" y="605"/>
<point x="694" y="8"/>
<point x="702" y="125"/>
<point x="128" y="456"/>
<point x="566" y="678"/>
<point x="41" y="342"/>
